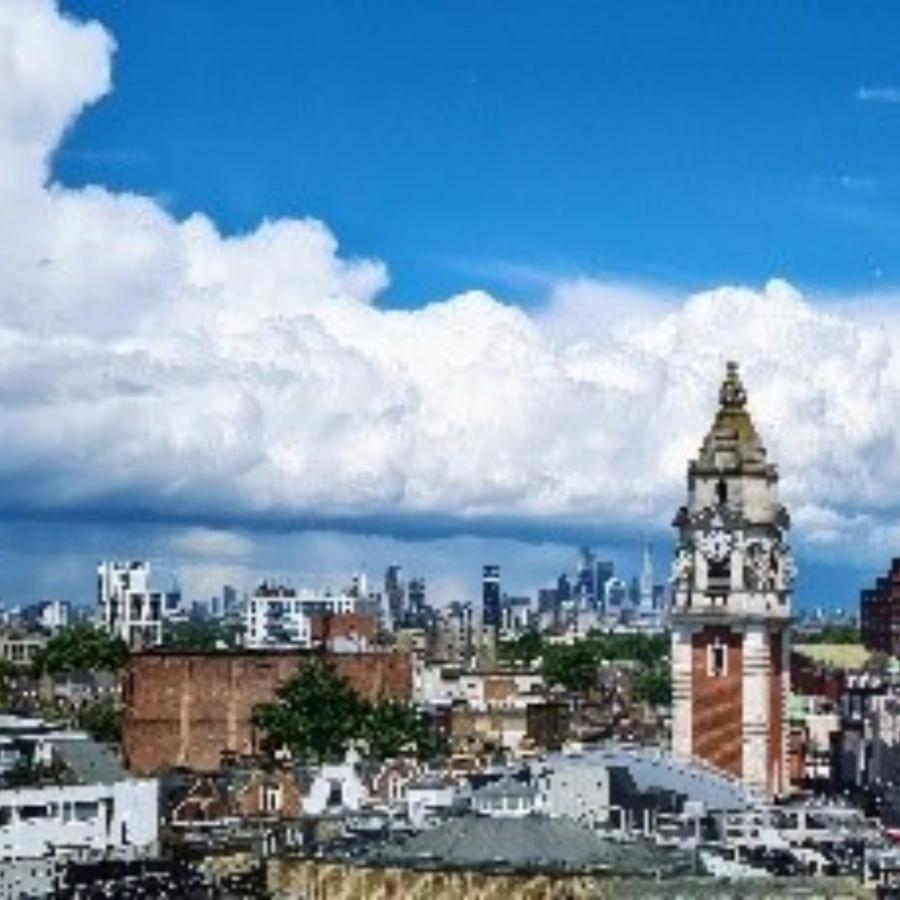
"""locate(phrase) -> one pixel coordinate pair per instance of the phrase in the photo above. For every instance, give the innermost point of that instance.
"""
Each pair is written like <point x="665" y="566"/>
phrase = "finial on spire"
<point x="732" y="394"/>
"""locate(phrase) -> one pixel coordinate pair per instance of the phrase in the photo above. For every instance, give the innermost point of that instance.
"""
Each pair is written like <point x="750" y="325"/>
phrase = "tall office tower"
<point x="229" y="600"/>
<point x="647" y="597"/>
<point x="395" y="594"/>
<point x="605" y="571"/>
<point x="585" y="583"/>
<point x="490" y="596"/>
<point x="733" y="574"/>
<point x="417" y="602"/>
<point x="615" y="600"/>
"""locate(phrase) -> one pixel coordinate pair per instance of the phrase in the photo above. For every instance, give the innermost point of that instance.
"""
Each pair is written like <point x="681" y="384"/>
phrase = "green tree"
<point x="526" y="648"/>
<point x="315" y="715"/>
<point x="194" y="635"/>
<point x="653" y="685"/>
<point x="832" y="634"/>
<point x="391" y="727"/>
<point x="647" y="649"/>
<point x="574" y="666"/>
<point x="82" y="648"/>
<point x="102" y="721"/>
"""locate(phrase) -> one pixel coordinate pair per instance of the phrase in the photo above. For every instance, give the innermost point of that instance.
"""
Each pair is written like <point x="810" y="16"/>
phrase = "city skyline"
<point x="172" y="363"/>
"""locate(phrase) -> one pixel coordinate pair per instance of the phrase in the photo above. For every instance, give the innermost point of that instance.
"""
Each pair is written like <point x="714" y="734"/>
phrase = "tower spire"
<point x="732" y="443"/>
<point x="732" y="395"/>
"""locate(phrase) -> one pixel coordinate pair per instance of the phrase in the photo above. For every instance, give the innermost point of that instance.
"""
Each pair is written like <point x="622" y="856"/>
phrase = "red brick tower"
<point x="731" y="605"/>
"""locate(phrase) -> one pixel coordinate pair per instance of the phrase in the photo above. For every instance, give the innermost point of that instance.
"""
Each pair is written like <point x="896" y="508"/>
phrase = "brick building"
<point x="188" y="709"/>
<point x="879" y="613"/>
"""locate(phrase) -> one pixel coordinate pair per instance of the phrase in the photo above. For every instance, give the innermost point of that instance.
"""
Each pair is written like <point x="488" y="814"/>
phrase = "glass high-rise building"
<point x="490" y="596"/>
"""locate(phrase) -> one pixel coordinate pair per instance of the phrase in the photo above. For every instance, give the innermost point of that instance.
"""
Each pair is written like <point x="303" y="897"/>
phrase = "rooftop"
<point x="89" y="761"/>
<point x="653" y="770"/>
<point x="533" y="843"/>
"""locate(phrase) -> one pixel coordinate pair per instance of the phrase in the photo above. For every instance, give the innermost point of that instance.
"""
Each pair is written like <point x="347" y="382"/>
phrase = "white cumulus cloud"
<point x="154" y="364"/>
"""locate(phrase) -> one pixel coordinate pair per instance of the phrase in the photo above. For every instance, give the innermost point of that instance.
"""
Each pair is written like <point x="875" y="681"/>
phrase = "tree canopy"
<point x="831" y="634"/>
<point x="199" y="635"/>
<point x="574" y="666"/>
<point x="317" y="714"/>
<point x="102" y="721"/>
<point x="526" y="648"/>
<point x="82" y="648"/>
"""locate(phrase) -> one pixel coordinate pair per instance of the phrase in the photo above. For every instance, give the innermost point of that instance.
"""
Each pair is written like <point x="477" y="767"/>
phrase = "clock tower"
<point x="732" y="581"/>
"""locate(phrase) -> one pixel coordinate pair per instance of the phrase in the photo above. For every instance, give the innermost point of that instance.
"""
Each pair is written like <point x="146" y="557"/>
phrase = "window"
<point x="722" y="492"/>
<point x="718" y="659"/>
<point x="272" y="798"/>
<point x="86" y="812"/>
<point x="31" y="812"/>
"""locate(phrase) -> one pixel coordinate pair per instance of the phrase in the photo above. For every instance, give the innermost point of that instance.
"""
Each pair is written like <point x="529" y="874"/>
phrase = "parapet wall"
<point x="308" y="879"/>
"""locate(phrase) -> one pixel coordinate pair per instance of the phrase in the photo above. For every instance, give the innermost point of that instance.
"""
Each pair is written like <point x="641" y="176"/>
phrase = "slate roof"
<point x="505" y="787"/>
<point x="90" y="762"/>
<point x="530" y="843"/>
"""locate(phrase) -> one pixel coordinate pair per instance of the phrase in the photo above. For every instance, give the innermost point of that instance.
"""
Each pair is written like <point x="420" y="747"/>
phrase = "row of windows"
<point x="34" y="812"/>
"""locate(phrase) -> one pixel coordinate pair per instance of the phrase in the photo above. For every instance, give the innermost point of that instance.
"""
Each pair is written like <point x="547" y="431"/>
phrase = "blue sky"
<point x="622" y="181"/>
<point x="494" y="144"/>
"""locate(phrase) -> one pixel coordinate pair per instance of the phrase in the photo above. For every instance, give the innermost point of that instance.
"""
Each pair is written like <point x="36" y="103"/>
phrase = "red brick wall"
<point x="813" y="679"/>
<point x="717" y="706"/>
<point x="352" y="626"/>
<point x="186" y="709"/>
<point x="796" y="756"/>
<point x="776" y="714"/>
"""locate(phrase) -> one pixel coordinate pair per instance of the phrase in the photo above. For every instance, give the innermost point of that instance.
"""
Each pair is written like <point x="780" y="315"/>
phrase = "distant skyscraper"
<point x="585" y="583"/>
<point x="647" y="603"/>
<point x="605" y="571"/>
<point x="615" y="594"/>
<point x="229" y="600"/>
<point x="418" y="604"/>
<point x="490" y="596"/>
<point x="395" y="594"/>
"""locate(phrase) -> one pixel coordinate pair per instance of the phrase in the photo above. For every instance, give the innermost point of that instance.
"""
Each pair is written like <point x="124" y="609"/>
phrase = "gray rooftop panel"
<point x="92" y="763"/>
<point x="654" y="770"/>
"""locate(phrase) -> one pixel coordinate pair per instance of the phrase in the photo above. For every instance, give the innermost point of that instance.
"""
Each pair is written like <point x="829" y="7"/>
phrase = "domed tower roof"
<point x="732" y="444"/>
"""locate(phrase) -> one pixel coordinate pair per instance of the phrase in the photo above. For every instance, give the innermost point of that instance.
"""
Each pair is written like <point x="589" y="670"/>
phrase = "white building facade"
<point x="278" y="616"/>
<point x="127" y="606"/>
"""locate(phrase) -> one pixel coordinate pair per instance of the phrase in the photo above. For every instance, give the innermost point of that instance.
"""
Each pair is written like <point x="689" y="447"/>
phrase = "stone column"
<point x="785" y="785"/>
<point x="682" y="690"/>
<point x="755" y="696"/>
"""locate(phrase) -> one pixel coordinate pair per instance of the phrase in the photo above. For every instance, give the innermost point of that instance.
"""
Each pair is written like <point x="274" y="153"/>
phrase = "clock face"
<point x="715" y="545"/>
